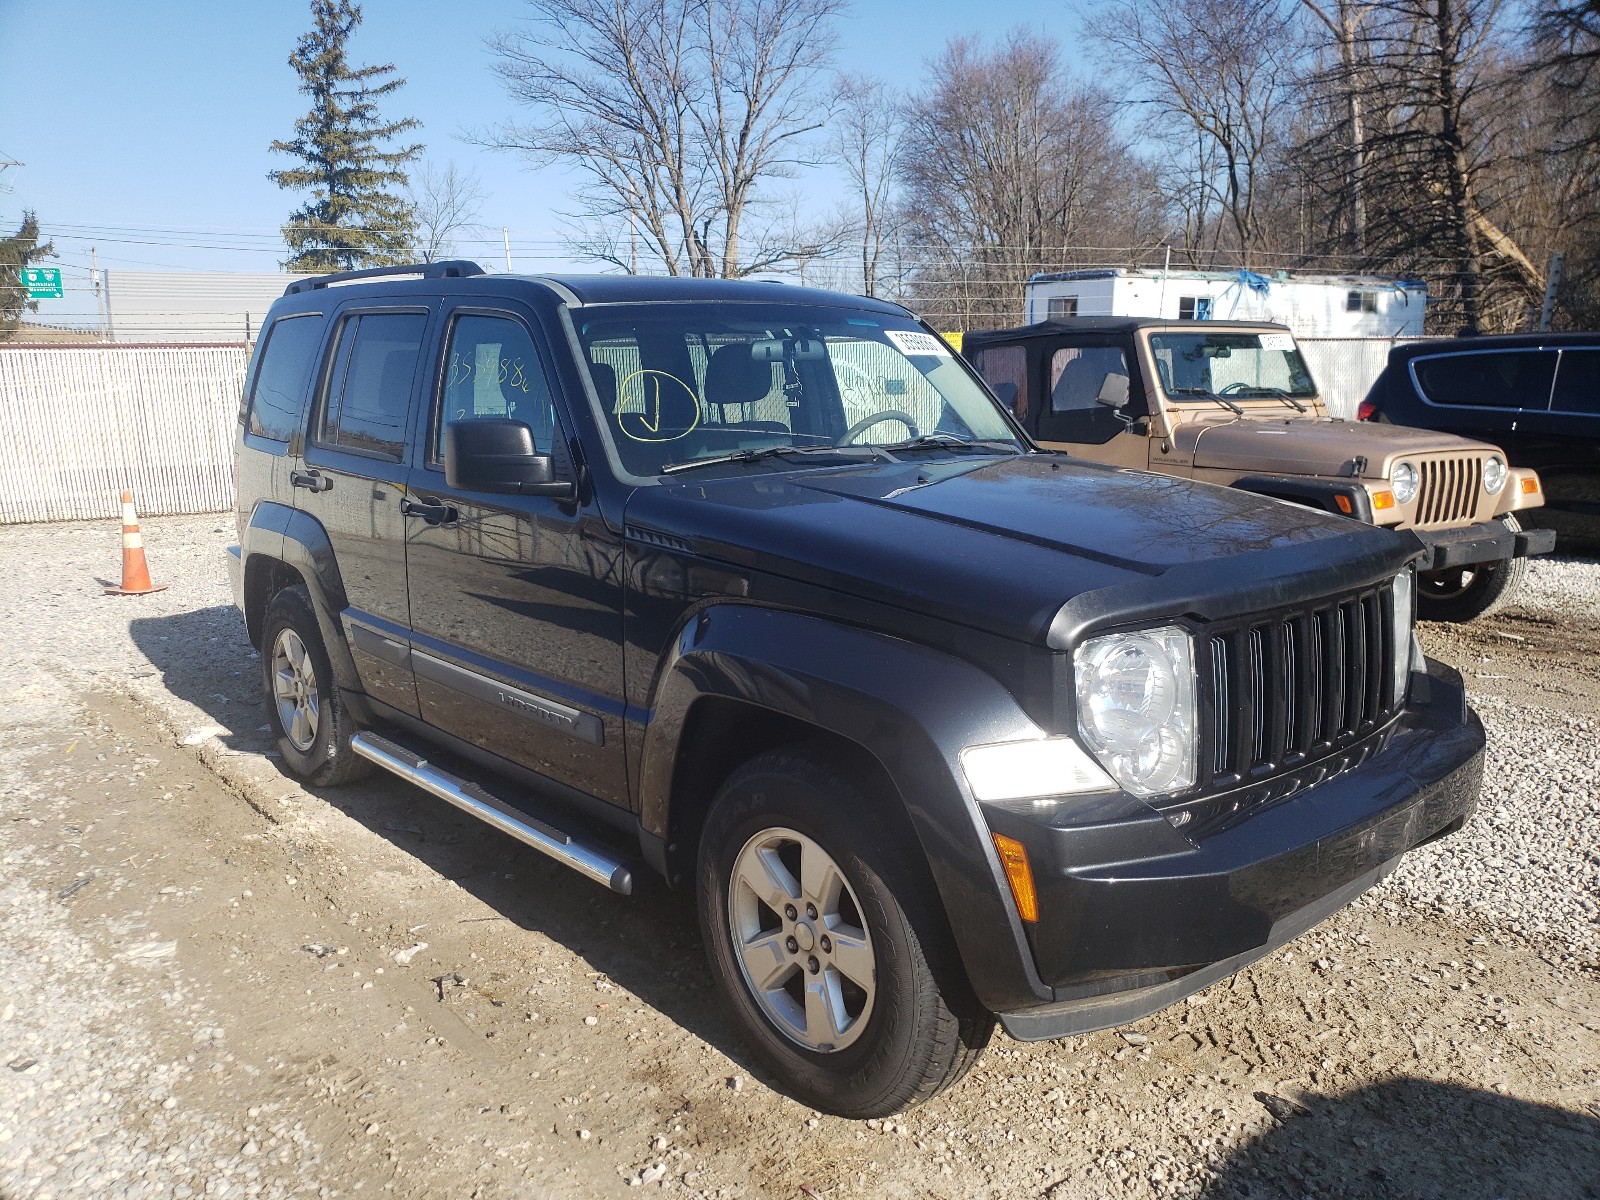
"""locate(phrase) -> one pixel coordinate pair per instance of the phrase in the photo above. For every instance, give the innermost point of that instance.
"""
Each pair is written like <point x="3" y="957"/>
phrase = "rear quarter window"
<point x="287" y="359"/>
<point x="1486" y="378"/>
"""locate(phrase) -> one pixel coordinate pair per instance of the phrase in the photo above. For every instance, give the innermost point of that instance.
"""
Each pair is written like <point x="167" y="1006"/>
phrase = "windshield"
<point x="1196" y="365"/>
<point x="684" y="383"/>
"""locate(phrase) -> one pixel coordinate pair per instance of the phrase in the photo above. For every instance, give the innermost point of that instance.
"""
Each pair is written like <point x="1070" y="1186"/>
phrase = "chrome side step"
<point x="599" y="865"/>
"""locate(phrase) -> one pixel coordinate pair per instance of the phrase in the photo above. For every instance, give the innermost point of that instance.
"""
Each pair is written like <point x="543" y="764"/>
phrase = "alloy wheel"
<point x="294" y="690"/>
<point x="801" y="941"/>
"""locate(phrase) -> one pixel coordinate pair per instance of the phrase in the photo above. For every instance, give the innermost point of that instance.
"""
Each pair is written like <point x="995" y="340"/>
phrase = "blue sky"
<point x="159" y="114"/>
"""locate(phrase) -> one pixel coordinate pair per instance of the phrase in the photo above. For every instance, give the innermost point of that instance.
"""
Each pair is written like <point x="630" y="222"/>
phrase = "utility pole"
<point x="505" y="239"/>
<point x="1552" y="280"/>
<point x="99" y="297"/>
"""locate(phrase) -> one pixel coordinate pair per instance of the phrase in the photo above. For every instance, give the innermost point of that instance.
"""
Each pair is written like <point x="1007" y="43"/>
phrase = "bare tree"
<point x="1567" y="46"/>
<point x="447" y="202"/>
<point x="1346" y="22"/>
<point x="1009" y="168"/>
<point x="1437" y="131"/>
<point x="1217" y="78"/>
<point x="677" y="111"/>
<point x="865" y="142"/>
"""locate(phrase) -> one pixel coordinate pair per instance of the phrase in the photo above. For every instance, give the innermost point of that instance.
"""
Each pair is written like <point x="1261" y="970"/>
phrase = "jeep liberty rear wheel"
<point x="828" y="945"/>
<point x="310" y="721"/>
<point x="1466" y="593"/>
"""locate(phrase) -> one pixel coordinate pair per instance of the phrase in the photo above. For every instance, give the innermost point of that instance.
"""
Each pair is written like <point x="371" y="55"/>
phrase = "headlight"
<point x="1404" y="584"/>
<point x="1404" y="480"/>
<point x="1494" y="476"/>
<point x="1136" y="707"/>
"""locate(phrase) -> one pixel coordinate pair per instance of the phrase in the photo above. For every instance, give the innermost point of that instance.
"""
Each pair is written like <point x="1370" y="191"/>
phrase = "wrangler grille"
<point x="1281" y="690"/>
<point x="1449" y="490"/>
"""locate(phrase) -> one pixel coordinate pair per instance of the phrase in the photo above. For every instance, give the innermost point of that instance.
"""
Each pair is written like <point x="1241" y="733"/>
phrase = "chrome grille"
<point x="1281" y="690"/>
<point x="1449" y="490"/>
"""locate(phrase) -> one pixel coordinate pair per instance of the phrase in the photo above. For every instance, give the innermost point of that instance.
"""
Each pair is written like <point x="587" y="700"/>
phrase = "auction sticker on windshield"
<point x="910" y="342"/>
<point x="1277" y="341"/>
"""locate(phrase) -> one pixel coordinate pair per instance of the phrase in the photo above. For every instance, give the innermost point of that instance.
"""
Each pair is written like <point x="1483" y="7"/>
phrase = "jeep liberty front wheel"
<point x="1466" y="593"/>
<point x="828" y="944"/>
<point x="312" y="726"/>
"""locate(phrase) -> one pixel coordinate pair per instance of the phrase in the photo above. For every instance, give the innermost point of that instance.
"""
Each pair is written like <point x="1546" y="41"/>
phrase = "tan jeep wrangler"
<point x="1232" y="403"/>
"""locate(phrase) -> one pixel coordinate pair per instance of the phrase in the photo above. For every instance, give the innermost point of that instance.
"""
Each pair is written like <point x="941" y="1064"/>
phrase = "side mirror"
<point x="497" y="454"/>
<point x="1114" y="391"/>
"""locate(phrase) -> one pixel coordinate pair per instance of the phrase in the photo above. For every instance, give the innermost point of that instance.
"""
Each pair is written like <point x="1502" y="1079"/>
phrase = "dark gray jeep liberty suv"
<point x="759" y="587"/>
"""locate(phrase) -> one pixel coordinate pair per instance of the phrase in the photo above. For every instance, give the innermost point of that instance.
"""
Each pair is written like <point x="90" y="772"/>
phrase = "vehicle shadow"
<point x="1418" y="1139"/>
<point x="647" y="944"/>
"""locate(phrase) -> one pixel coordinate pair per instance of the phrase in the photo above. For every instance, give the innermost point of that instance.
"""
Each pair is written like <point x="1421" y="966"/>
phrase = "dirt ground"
<point x="238" y="987"/>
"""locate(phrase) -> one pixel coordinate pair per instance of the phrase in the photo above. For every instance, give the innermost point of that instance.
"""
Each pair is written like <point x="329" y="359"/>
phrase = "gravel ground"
<point x="214" y="983"/>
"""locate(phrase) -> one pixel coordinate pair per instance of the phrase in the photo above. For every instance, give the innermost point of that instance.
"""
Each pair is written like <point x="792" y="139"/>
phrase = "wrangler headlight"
<point x="1404" y="481"/>
<point x="1494" y="476"/>
<point x="1136" y="707"/>
<point x="1404" y="589"/>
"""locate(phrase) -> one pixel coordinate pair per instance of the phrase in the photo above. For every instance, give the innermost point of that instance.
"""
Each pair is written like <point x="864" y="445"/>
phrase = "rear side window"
<point x="1487" y="379"/>
<point x="1578" y="383"/>
<point x="369" y="396"/>
<point x="1006" y="364"/>
<point x="287" y="360"/>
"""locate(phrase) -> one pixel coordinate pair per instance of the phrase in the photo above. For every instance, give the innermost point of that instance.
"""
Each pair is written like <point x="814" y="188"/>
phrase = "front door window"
<point x="1079" y="376"/>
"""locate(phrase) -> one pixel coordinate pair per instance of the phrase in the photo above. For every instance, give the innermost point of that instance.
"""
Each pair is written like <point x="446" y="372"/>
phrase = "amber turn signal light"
<point x="1383" y="500"/>
<point x="1344" y="505"/>
<point x="1530" y="485"/>
<point x="1019" y="875"/>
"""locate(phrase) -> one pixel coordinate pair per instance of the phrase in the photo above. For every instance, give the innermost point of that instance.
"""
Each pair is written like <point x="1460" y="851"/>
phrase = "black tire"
<point x="323" y="758"/>
<point x="1466" y="593"/>
<point x="923" y="1028"/>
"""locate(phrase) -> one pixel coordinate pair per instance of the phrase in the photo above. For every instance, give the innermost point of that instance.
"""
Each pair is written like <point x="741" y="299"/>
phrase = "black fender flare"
<point x="911" y="708"/>
<point x="277" y="533"/>
<point x="1315" y="493"/>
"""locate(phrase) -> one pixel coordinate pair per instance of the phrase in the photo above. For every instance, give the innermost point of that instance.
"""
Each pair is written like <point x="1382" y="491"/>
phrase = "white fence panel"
<point x="80" y="423"/>
<point x="1346" y="368"/>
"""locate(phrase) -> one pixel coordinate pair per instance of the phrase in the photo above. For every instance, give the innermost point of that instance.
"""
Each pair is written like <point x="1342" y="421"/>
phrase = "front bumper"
<point x="236" y="575"/>
<point x="1134" y="915"/>
<point x="1488" y="542"/>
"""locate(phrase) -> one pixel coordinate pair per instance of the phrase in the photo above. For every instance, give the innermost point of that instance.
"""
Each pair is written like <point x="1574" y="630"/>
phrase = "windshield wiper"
<point x="1208" y="394"/>
<point x="1276" y="394"/>
<point x="765" y="452"/>
<point x="953" y="441"/>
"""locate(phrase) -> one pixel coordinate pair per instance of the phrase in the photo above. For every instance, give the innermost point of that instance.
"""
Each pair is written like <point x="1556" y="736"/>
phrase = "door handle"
<point x="314" y="481"/>
<point x="432" y="511"/>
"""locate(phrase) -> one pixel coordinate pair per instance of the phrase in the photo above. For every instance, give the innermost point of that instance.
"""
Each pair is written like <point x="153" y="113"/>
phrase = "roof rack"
<point x="450" y="268"/>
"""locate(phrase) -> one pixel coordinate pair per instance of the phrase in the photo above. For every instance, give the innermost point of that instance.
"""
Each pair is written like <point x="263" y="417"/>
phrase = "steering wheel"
<point x="877" y="418"/>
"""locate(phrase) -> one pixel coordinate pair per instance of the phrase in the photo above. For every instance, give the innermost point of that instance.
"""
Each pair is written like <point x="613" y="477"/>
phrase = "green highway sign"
<point x="43" y="283"/>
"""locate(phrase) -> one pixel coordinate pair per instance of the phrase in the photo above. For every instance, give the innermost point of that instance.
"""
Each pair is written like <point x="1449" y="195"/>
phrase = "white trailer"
<point x="1317" y="306"/>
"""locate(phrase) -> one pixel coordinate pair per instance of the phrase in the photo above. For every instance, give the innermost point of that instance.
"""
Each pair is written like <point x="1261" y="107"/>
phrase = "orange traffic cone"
<point x="135" y="571"/>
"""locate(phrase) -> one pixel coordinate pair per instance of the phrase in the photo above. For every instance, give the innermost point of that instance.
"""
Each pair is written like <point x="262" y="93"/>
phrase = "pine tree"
<point x="357" y="215"/>
<point x="20" y="250"/>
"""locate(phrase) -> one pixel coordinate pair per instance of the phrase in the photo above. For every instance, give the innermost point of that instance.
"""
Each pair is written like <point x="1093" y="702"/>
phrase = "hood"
<point x="996" y="544"/>
<point x="1314" y="446"/>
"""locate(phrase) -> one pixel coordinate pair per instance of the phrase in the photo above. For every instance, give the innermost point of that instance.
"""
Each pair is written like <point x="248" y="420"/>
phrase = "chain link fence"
<point x="1346" y="368"/>
<point x="78" y="424"/>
